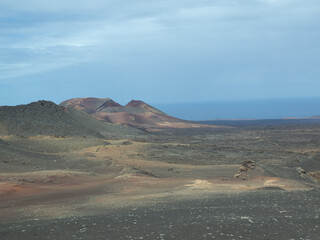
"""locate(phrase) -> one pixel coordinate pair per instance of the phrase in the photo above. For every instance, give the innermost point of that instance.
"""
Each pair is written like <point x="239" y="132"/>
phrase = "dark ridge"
<point x="47" y="118"/>
<point x="39" y="118"/>
<point x="108" y="103"/>
<point x="143" y="106"/>
<point x="135" y="103"/>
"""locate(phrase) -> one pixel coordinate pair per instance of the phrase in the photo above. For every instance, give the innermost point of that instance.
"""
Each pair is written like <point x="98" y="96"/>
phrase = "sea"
<point x="244" y="109"/>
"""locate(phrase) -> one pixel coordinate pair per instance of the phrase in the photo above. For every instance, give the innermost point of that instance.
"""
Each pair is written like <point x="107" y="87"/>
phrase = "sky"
<point x="164" y="51"/>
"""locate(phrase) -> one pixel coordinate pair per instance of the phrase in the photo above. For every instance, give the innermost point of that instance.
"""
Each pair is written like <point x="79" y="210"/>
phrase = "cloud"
<point x="50" y="45"/>
<point x="46" y="35"/>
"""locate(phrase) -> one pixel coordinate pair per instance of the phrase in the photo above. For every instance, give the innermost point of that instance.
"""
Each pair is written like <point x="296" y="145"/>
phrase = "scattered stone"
<point x="146" y="172"/>
<point x="237" y="175"/>
<point x="301" y="170"/>
<point x="28" y="180"/>
<point x="312" y="176"/>
<point x="249" y="164"/>
<point x="172" y="170"/>
<point x="244" y="168"/>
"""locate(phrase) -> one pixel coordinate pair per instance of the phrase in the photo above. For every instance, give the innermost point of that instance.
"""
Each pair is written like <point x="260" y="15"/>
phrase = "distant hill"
<point x="107" y="105"/>
<point x="136" y="113"/>
<point x="47" y="118"/>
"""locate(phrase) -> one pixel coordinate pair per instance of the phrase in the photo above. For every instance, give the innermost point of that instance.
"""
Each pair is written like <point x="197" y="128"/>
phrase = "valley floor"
<point x="180" y="184"/>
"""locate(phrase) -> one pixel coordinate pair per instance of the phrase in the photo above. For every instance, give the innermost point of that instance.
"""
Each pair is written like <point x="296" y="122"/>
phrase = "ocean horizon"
<point x="244" y="109"/>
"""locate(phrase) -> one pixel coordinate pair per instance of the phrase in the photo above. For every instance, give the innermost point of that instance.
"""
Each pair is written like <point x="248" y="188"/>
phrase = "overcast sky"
<point x="159" y="51"/>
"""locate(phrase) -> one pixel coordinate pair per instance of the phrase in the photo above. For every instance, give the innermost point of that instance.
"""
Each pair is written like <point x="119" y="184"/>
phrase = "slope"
<point x="47" y="118"/>
<point x="136" y="113"/>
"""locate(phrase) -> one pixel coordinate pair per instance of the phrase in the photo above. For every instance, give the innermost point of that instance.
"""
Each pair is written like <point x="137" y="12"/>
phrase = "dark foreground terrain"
<point x="264" y="214"/>
<point x="66" y="175"/>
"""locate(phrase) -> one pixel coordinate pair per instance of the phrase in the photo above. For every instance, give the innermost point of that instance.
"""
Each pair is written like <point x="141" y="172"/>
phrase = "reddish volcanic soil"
<point x="184" y="184"/>
<point x="49" y="194"/>
<point x="135" y="113"/>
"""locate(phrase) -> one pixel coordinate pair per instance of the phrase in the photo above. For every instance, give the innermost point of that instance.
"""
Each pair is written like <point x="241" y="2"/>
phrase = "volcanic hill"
<point x="47" y="118"/>
<point x="135" y="113"/>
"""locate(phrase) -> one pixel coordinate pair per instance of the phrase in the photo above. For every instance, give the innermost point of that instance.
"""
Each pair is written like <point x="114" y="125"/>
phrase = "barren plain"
<point x="228" y="182"/>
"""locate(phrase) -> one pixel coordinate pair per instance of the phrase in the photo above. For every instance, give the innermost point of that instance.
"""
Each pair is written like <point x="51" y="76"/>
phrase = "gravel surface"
<point x="265" y="214"/>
